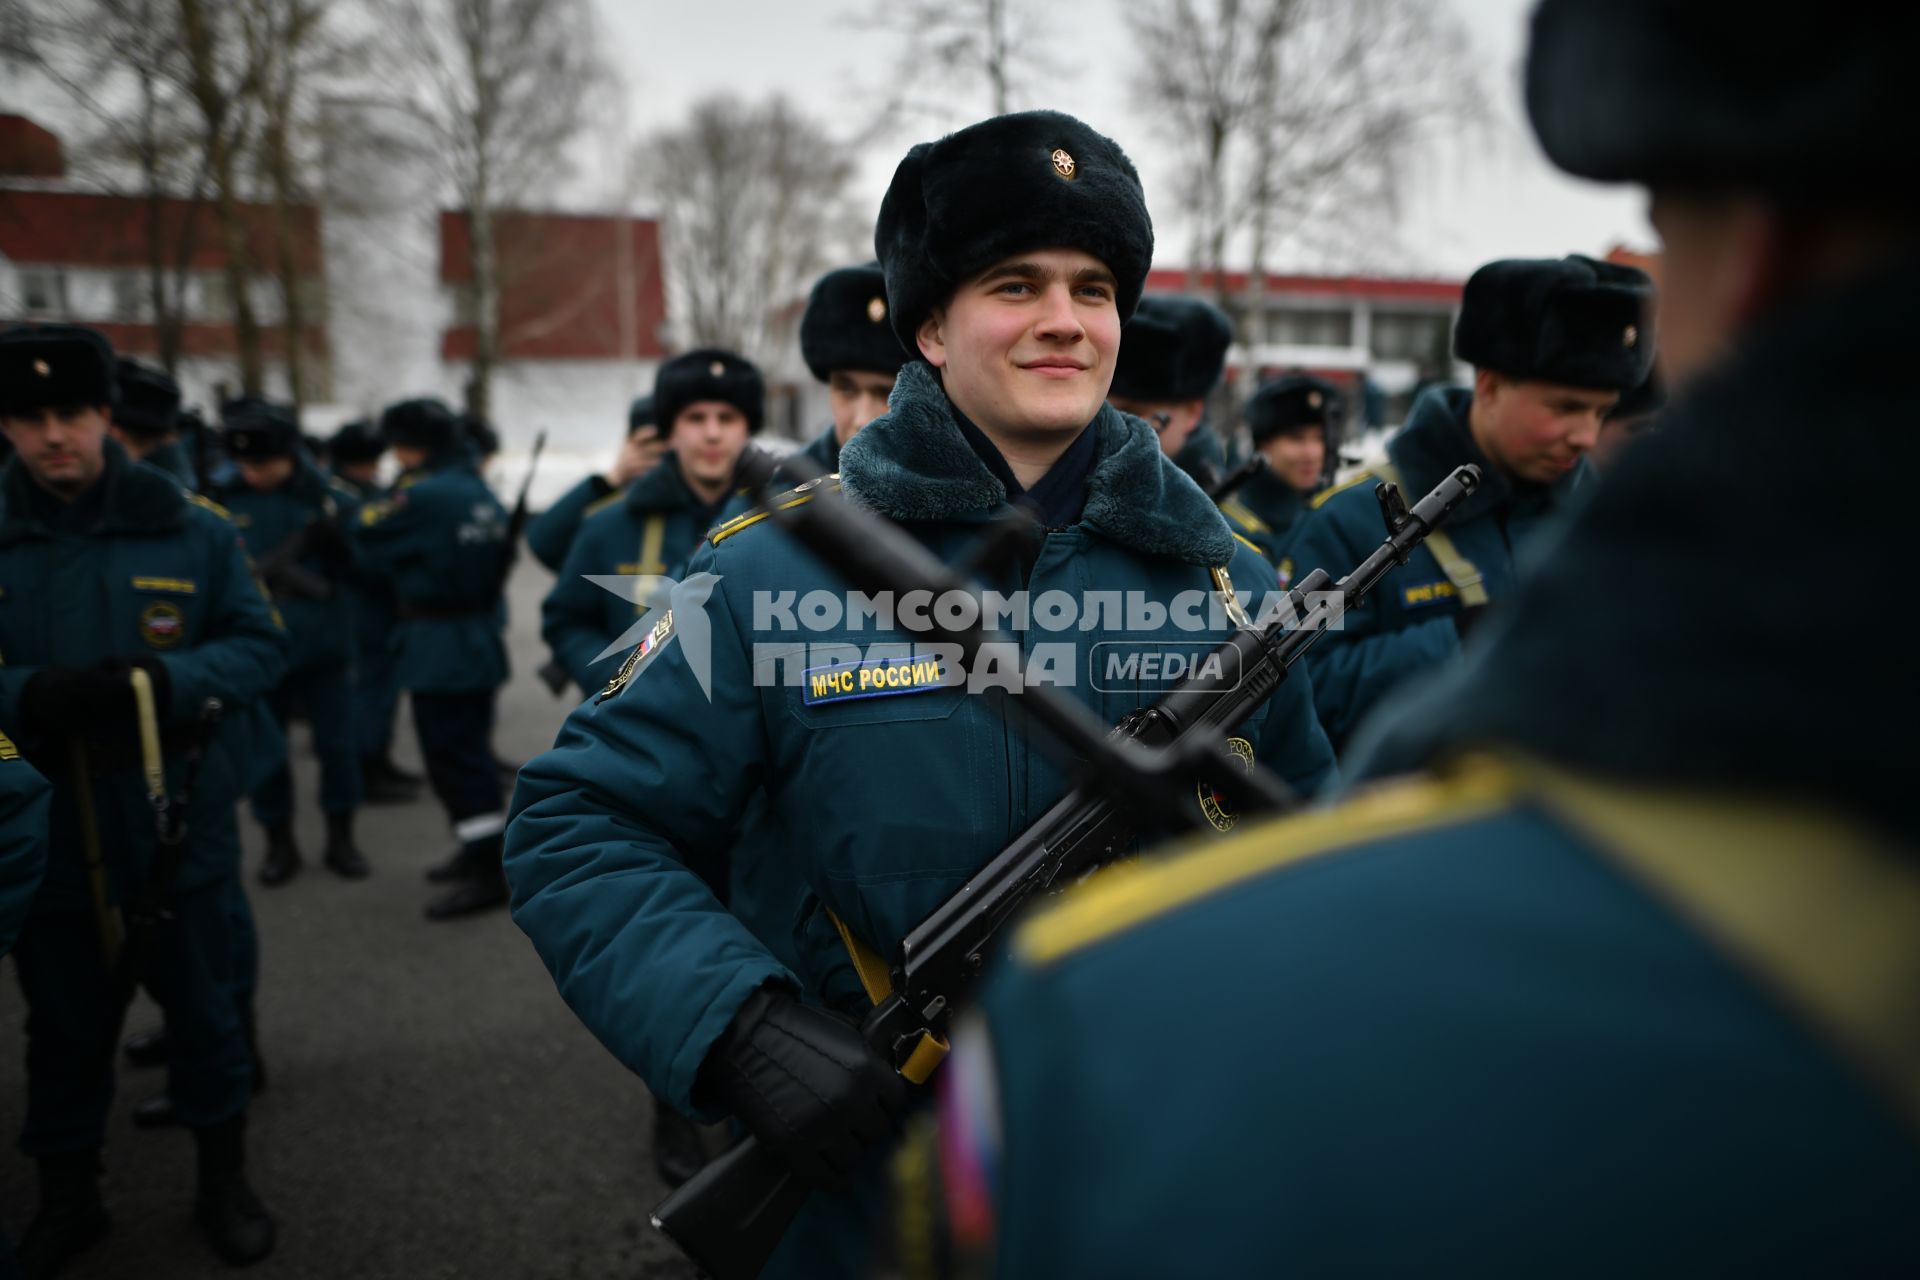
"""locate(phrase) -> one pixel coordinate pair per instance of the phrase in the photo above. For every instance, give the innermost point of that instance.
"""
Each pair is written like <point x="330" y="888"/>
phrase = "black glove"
<point x="328" y="541"/>
<point x="803" y="1082"/>
<point x="61" y="700"/>
<point x="115" y="689"/>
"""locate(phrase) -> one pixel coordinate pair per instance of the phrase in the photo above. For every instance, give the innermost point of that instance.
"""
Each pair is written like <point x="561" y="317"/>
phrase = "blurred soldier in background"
<point x="550" y="534"/>
<point x="849" y="345"/>
<point x="354" y="456"/>
<point x="1293" y="421"/>
<point x="295" y="525"/>
<point x="1553" y="345"/>
<point x="110" y="568"/>
<point x="1172" y="354"/>
<point x="442" y="538"/>
<point x="23" y="857"/>
<point x="146" y="422"/>
<point x="1624" y="984"/>
<point x="709" y="402"/>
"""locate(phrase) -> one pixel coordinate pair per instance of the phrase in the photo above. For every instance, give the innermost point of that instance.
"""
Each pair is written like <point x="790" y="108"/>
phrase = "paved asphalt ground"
<point x="433" y="1109"/>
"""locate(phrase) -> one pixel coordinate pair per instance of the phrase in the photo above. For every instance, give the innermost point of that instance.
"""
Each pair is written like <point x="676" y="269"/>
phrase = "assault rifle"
<point x="731" y="1215"/>
<point x="517" y="520"/>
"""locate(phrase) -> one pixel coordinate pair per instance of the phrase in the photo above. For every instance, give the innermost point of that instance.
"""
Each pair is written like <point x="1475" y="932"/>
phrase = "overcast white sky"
<point x="1472" y="199"/>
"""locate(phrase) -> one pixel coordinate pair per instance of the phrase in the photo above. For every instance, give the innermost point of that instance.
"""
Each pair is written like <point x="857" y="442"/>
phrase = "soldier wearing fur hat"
<point x="1172" y="354"/>
<point x="848" y="344"/>
<point x="108" y="569"/>
<point x="550" y="535"/>
<point x="710" y="403"/>
<point x="1013" y="251"/>
<point x="1612" y="983"/>
<point x="441" y="539"/>
<point x="146" y="421"/>
<point x="296" y="525"/>
<point x="1553" y="344"/>
<point x="1294" y="423"/>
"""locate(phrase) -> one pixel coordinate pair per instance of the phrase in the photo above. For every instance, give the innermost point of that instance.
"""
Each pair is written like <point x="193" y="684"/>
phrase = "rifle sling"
<point x="878" y="982"/>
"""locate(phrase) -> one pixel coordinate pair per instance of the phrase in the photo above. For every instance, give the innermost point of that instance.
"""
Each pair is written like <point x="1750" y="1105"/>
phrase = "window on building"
<point x="1301" y="327"/>
<point x="130" y="297"/>
<point x="43" y="292"/>
<point x="1420" y="336"/>
<point x="214" y="303"/>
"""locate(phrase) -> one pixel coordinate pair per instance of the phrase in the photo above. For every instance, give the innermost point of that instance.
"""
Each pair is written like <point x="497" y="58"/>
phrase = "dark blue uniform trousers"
<point x="74" y="1014"/>
<point x="456" y="736"/>
<point x="327" y="696"/>
<point x="375" y="699"/>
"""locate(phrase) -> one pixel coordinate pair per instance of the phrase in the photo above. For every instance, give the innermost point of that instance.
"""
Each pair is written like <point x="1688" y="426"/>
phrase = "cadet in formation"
<point x="1172" y="354"/>
<point x="709" y="403"/>
<point x="146" y="421"/>
<point x="1013" y="251"/>
<point x="1293" y="422"/>
<point x="23" y="857"/>
<point x="849" y="344"/>
<point x="441" y="540"/>
<point x="550" y="534"/>
<point x="296" y="524"/>
<point x="1622" y="981"/>
<point x="1553" y="344"/>
<point x="353" y="458"/>
<point x="107" y="569"/>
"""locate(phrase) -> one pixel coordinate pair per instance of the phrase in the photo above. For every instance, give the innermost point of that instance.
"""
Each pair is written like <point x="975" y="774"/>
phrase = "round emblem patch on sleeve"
<point x="162" y="625"/>
<point x="1214" y="805"/>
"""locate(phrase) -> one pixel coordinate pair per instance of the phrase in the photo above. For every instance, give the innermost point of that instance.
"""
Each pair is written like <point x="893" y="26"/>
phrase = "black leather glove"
<point x="803" y="1082"/>
<point x="115" y="689"/>
<point x="61" y="700"/>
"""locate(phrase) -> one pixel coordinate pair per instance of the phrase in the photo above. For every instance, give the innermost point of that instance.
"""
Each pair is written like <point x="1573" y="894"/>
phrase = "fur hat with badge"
<point x="44" y="366"/>
<point x="1575" y="321"/>
<point x="149" y="400"/>
<point x="1292" y="402"/>
<point x="1012" y="184"/>
<point x="422" y="423"/>
<point x="845" y="326"/>
<point x="255" y="429"/>
<point x="708" y="374"/>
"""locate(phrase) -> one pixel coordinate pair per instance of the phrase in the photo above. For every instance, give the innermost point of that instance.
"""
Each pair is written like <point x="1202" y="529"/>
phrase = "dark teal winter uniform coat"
<point x="891" y="800"/>
<point x="1407" y="625"/>
<point x="162" y="574"/>
<point x="1458" y="1026"/>
<point x="442" y="538"/>
<point x="24" y="796"/>
<point x="650" y="529"/>
<point x="550" y="534"/>
<point x="321" y="629"/>
<point x="1266" y="511"/>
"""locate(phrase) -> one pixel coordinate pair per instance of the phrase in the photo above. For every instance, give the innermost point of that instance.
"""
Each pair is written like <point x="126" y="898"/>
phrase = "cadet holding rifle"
<point x="294" y="522"/>
<point x="109" y="568"/>
<point x="1012" y="251"/>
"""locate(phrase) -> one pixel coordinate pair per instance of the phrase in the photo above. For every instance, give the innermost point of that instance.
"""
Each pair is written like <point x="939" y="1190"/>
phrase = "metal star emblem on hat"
<point x="717" y="368"/>
<point x="1063" y="163"/>
<point x="41" y="367"/>
<point x="1632" y="335"/>
<point x="877" y="310"/>
<point x="1313" y="399"/>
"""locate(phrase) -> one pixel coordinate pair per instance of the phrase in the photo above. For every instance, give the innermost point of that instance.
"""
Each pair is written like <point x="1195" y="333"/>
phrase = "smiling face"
<point x="1536" y="431"/>
<point x="1298" y="456"/>
<point x="708" y="437"/>
<point x="1026" y="348"/>
<point x="62" y="447"/>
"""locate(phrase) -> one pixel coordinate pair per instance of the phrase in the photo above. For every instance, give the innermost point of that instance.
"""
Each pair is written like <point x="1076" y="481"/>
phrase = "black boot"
<point x="678" y="1151"/>
<point x="283" y="856"/>
<point x="71" y="1217"/>
<point x="154" y="1112"/>
<point x="235" y="1222"/>
<point x="341" y="857"/>
<point x="148" y="1049"/>
<point x="387" y="783"/>
<point x="482" y="888"/>
<point x="457" y="865"/>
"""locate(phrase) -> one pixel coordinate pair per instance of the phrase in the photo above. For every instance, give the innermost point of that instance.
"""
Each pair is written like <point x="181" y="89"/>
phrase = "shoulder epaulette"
<point x="791" y="498"/>
<point x="1320" y="499"/>
<point x="206" y="503"/>
<point x="1134" y="893"/>
<point x="1244" y="517"/>
<point x="7" y="750"/>
<point x="600" y="504"/>
<point x="1249" y="545"/>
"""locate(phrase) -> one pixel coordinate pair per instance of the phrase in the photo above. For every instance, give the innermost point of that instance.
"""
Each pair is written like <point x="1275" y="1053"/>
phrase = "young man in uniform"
<point x="1013" y="252"/>
<point x="442" y="539"/>
<point x="146" y="422"/>
<point x="550" y="534"/>
<point x="110" y="568"/>
<point x="849" y="344"/>
<point x="1553" y="344"/>
<point x="1172" y="354"/>
<point x="1292" y="420"/>
<point x="1623" y="984"/>
<point x="295" y="526"/>
<point x="353" y="457"/>
<point x="709" y="403"/>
